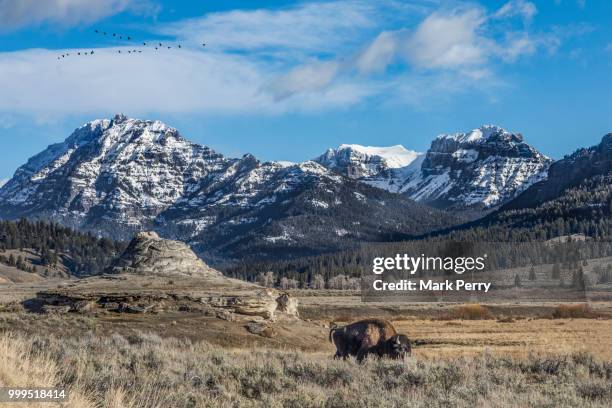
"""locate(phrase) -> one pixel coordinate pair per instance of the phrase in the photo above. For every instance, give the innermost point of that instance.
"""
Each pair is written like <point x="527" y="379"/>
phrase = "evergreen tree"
<point x="532" y="274"/>
<point x="517" y="281"/>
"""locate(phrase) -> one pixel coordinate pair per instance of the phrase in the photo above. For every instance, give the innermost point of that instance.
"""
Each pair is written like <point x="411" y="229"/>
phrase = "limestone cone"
<point x="148" y="254"/>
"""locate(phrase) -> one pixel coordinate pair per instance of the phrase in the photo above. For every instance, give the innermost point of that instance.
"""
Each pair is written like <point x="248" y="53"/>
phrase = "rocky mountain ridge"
<point x="120" y="176"/>
<point x="480" y="169"/>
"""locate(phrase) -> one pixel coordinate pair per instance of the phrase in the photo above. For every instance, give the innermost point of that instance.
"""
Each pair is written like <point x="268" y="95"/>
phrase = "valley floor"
<point x="512" y="355"/>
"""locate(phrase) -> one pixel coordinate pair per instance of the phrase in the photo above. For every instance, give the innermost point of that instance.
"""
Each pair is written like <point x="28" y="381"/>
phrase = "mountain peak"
<point x="480" y="168"/>
<point x="479" y="135"/>
<point x="119" y="118"/>
<point x="357" y="161"/>
<point x="395" y="156"/>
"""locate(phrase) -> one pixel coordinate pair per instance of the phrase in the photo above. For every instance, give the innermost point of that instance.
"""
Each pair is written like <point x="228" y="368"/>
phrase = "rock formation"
<point x="148" y="254"/>
<point x="156" y="275"/>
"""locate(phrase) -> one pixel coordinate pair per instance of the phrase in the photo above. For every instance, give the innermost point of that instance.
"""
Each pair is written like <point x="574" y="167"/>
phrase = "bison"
<point x="372" y="336"/>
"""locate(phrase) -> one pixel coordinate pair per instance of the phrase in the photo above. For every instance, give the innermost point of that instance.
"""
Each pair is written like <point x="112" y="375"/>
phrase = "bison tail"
<point x="332" y="328"/>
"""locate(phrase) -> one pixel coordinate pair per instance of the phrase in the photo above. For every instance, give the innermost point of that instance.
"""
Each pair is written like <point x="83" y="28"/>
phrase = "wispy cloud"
<point x="21" y="13"/>
<point x="448" y="40"/>
<point x="522" y="8"/>
<point x="312" y="28"/>
<point x="309" y="57"/>
<point x="378" y="54"/>
<point x="306" y="78"/>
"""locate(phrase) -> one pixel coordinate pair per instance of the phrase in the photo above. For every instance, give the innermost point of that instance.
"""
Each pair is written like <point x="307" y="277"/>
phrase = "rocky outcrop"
<point x="148" y="254"/>
<point x="94" y="296"/>
<point x="156" y="275"/>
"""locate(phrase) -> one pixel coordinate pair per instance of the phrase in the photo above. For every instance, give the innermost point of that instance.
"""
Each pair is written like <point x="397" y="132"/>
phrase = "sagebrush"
<point x="144" y="370"/>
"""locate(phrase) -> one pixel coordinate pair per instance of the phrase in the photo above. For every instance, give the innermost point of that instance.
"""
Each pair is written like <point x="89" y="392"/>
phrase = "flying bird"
<point x="179" y="45"/>
<point x="160" y="44"/>
<point x="119" y="51"/>
<point x="91" y="52"/>
<point x="78" y="53"/>
<point x="203" y="44"/>
<point x="169" y="47"/>
<point x="114" y="35"/>
<point x="104" y="33"/>
<point x="96" y="31"/>
<point x="144" y="43"/>
<point x="120" y="37"/>
<point x="129" y="38"/>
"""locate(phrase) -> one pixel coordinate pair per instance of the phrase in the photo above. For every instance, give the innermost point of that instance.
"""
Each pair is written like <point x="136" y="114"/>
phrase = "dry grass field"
<point x="144" y="370"/>
<point x="501" y="355"/>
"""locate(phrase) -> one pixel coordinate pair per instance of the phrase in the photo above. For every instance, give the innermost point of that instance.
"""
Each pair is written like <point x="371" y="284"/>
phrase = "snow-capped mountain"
<point x="584" y="164"/>
<point x="115" y="177"/>
<point x="366" y="161"/>
<point x="388" y="168"/>
<point x="480" y="169"/>
<point x="575" y="198"/>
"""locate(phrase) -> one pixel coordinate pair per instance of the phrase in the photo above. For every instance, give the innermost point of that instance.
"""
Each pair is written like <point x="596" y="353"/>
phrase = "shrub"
<point x="471" y="312"/>
<point x="574" y="311"/>
<point x="150" y="372"/>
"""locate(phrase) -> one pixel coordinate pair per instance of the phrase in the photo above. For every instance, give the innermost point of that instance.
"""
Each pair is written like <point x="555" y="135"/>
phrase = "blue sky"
<point x="285" y="80"/>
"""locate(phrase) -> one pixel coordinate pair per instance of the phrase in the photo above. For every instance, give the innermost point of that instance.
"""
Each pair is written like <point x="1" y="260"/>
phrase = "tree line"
<point x="82" y="253"/>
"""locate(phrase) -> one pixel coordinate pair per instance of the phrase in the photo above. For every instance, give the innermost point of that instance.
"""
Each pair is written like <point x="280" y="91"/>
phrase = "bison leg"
<point x="362" y="353"/>
<point x="343" y="353"/>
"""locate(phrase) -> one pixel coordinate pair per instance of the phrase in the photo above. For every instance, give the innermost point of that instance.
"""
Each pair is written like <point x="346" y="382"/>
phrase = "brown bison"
<point x="372" y="336"/>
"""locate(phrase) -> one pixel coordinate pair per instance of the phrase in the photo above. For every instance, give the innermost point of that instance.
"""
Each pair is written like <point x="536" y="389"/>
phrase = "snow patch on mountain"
<point x="480" y="135"/>
<point x="484" y="167"/>
<point x="319" y="203"/>
<point x="395" y="156"/>
<point x="356" y="161"/>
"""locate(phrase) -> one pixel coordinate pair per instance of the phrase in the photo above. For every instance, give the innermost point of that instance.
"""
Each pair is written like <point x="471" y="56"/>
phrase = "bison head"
<point x="399" y="346"/>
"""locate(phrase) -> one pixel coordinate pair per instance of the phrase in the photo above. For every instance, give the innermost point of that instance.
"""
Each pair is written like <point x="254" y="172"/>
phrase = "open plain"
<point x="186" y="355"/>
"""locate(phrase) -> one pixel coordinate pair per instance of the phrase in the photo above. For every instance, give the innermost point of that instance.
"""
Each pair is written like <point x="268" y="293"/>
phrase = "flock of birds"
<point x="155" y="45"/>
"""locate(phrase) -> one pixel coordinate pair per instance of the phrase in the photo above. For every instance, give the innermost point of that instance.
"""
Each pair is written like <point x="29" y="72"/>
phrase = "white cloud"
<point x="378" y="54"/>
<point x="3" y="182"/>
<point x="448" y="40"/>
<point x="517" y="45"/>
<point x="521" y="8"/>
<point x="15" y="14"/>
<point x="306" y="78"/>
<point x="185" y="81"/>
<point x="308" y="57"/>
<point x="314" y="27"/>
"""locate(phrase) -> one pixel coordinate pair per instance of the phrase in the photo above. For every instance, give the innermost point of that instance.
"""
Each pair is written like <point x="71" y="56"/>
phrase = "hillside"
<point x="120" y="176"/>
<point x="577" y="202"/>
<point x="31" y="251"/>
